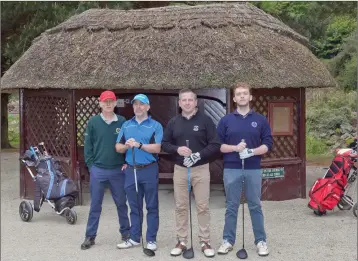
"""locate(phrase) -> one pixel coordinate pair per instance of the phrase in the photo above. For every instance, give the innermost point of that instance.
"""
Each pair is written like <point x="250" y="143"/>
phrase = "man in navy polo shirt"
<point x="144" y="134"/>
<point x="253" y="128"/>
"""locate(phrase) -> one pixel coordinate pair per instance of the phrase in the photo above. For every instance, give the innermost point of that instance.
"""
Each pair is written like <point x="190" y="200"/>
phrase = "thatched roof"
<point x="169" y="47"/>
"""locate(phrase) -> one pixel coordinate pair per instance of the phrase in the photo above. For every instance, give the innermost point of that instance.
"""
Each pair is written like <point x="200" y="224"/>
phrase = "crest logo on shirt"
<point x="118" y="130"/>
<point x="254" y="124"/>
<point x="196" y="128"/>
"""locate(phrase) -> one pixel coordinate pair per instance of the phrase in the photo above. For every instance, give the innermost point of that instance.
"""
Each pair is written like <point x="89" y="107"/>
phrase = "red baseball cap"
<point x="107" y="95"/>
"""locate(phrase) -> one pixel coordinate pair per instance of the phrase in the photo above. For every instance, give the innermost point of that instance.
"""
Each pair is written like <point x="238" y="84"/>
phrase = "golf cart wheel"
<point x="71" y="216"/>
<point x="355" y="210"/>
<point x="26" y="211"/>
<point x="319" y="213"/>
<point x="343" y="204"/>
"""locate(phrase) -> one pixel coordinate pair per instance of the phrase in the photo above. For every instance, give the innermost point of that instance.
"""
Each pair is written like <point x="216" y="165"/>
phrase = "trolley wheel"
<point x="319" y="213"/>
<point x="26" y="211"/>
<point x="71" y="216"/>
<point x="355" y="210"/>
<point x="343" y="204"/>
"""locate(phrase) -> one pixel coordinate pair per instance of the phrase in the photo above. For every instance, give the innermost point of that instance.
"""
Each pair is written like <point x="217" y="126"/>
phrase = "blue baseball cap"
<point x="142" y="98"/>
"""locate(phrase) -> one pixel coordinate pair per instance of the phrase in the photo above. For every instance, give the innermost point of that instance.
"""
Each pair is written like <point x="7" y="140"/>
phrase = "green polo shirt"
<point x="100" y="141"/>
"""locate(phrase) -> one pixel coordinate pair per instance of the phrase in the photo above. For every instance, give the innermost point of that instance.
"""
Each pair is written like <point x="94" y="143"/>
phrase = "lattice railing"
<point x="47" y="120"/>
<point x="284" y="146"/>
<point x="85" y="109"/>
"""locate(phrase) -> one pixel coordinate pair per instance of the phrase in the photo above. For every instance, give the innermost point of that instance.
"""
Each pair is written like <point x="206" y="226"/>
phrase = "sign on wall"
<point x="272" y="173"/>
<point x="122" y="102"/>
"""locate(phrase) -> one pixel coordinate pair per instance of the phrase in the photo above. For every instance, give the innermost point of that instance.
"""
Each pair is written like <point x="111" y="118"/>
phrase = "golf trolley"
<point x="51" y="186"/>
<point x="347" y="202"/>
<point x="338" y="186"/>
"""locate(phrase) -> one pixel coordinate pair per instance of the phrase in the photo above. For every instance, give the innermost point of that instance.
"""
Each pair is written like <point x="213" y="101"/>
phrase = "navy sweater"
<point x="254" y="128"/>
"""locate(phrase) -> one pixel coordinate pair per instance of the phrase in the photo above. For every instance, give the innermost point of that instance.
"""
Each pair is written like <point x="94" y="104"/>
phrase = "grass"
<point x="14" y="129"/>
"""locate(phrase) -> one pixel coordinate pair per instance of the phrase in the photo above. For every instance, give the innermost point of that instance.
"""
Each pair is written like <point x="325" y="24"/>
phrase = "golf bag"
<point x="327" y="192"/>
<point x="50" y="182"/>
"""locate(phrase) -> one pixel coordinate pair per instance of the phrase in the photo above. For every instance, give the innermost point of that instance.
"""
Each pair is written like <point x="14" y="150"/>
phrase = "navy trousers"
<point x="115" y="178"/>
<point x="147" y="180"/>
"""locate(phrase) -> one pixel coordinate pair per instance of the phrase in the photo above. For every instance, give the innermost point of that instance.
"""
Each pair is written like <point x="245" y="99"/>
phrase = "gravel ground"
<point x="293" y="232"/>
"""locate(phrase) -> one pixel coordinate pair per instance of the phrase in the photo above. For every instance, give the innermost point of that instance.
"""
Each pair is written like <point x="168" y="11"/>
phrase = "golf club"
<point x="189" y="252"/>
<point x="242" y="254"/>
<point x="44" y="150"/>
<point x="146" y="251"/>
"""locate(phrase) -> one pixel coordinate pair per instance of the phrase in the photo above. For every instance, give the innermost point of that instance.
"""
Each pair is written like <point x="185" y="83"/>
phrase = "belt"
<point x="143" y="165"/>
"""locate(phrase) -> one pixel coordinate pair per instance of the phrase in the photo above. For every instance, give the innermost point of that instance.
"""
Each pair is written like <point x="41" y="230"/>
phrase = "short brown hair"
<point x="240" y="85"/>
<point x="186" y="91"/>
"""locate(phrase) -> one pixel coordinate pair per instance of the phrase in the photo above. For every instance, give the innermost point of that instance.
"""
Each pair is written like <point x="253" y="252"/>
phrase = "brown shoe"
<point x="207" y="249"/>
<point x="178" y="249"/>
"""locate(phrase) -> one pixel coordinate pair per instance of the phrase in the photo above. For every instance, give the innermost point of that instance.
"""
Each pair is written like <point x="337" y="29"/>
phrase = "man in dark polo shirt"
<point x="105" y="166"/>
<point x="200" y="131"/>
<point x="253" y="128"/>
<point x="144" y="134"/>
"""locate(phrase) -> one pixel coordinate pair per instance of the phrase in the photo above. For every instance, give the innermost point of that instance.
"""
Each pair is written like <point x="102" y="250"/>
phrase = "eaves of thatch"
<point x="206" y="46"/>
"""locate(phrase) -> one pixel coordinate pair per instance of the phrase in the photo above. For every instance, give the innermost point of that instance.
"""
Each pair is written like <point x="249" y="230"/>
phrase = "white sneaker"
<point x="225" y="248"/>
<point x="128" y="244"/>
<point x="262" y="248"/>
<point x="152" y="245"/>
<point x="178" y="249"/>
<point x="207" y="249"/>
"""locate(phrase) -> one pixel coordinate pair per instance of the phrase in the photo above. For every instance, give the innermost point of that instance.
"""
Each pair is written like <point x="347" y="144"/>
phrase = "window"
<point x="281" y="117"/>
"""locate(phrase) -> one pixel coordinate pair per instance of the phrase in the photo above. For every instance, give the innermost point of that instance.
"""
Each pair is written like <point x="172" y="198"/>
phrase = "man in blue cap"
<point x="144" y="134"/>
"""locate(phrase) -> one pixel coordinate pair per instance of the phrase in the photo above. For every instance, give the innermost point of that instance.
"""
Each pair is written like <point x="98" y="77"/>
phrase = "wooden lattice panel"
<point x="47" y="120"/>
<point x="85" y="108"/>
<point x="284" y="147"/>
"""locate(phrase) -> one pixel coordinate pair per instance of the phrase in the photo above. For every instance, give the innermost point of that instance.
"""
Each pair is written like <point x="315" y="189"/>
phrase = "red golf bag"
<point x="328" y="191"/>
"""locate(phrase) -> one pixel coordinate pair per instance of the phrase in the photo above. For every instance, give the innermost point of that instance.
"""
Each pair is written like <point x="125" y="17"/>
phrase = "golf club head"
<point x="188" y="253"/>
<point x="148" y="252"/>
<point x="242" y="254"/>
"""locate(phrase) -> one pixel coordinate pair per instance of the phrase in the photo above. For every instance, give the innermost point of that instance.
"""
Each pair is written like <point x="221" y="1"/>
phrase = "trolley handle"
<point x="28" y="169"/>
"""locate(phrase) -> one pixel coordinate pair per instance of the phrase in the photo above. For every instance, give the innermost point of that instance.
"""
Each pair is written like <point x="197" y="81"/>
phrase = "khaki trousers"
<point x="200" y="181"/>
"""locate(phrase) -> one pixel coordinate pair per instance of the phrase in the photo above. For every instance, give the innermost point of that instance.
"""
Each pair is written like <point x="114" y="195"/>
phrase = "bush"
<point x="14" y="137"/>
<point x="330" y="120"/>
<point x="316" y="146"/>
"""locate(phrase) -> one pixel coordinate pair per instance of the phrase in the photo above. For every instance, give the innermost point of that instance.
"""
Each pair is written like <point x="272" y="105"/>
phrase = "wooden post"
<point x="22" y="141"/>
<point x="302" y="139"/>
<point x="75" y="171"/>
<point x="5" y="144"/>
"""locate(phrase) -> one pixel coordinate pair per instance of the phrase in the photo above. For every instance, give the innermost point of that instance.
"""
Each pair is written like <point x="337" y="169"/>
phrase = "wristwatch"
<point x="140" y="145"/>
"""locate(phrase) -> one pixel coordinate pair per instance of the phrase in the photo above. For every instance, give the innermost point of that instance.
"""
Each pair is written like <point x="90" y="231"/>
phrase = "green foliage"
<point x="315" y="146"/>
<point x="21" y="22"/>
<point x="14" y="137"/>
<point x="331" y="43"/>
<point x="344" y="66"/>
<point x="330" y="118"/>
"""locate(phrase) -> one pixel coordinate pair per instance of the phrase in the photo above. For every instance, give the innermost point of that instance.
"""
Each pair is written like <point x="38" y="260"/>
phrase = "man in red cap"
<point x="105" y="166"/>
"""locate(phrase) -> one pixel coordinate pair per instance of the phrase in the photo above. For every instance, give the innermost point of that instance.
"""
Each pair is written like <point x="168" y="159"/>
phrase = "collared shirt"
<point x="253" y="127"/>
<point x="148" y="131"/>
<point x="114" y="118"/>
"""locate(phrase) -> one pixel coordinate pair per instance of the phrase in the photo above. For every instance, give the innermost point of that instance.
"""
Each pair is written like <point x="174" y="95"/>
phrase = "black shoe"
<point x="89" y="241"/>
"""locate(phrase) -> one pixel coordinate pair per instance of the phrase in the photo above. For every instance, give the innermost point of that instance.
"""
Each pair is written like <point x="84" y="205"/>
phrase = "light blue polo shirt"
<point x="148" y="131"/>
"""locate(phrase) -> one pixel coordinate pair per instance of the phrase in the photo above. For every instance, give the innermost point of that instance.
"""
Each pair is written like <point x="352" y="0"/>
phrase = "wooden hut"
<point x="159" y="51"/>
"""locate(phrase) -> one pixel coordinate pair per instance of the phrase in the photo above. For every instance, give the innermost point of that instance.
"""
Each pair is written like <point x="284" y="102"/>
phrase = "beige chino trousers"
<point x="200" y="182"/>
